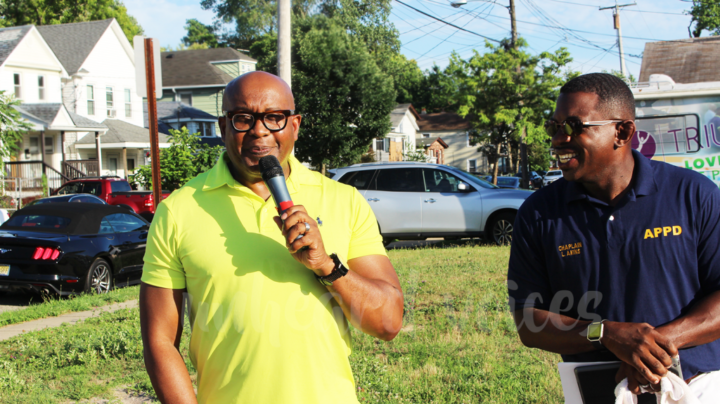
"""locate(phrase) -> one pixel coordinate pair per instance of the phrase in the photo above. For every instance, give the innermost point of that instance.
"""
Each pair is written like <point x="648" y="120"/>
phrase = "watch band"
<point x="338" y="272"/>
<point x="595" y="333"/>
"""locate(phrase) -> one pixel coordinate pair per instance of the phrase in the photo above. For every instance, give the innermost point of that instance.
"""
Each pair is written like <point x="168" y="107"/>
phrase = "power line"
<point x="445" y="22"/>
<point x="634" y="11"/>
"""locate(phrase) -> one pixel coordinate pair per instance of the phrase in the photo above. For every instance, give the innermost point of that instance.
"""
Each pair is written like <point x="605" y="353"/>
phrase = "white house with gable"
<point x="100" y="85"/>
<point x="31" y="72"/>
<point x="401" y="137"/>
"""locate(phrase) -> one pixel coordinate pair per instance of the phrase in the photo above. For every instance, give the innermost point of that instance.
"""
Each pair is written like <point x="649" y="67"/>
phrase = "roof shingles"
<point x="193" y="68"/>
<point x="685" y="61"/>
<point x="123" y="132"/>
<point x="72" y="43"/>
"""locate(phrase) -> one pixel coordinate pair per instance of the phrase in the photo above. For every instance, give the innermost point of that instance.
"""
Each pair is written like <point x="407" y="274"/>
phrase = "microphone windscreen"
<point x="270" y="167"/>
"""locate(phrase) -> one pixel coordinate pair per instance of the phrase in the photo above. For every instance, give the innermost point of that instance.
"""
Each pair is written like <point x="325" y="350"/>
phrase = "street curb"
<point x="70" y="318"/>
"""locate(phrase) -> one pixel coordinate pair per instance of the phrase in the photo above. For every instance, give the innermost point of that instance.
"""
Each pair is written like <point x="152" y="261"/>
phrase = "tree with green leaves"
<point x="199" y="33"/>
<point x="51" y="12"/>
<point x="344" y="97"/>
<point x="705" y="17"/>
<point x="182" y="161"/>
<point x="12" y="126"/>
<point x="505" y="91"/>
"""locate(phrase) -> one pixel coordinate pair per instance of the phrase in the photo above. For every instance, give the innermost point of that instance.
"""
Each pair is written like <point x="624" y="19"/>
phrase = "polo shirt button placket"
<point x="609" y="228"/>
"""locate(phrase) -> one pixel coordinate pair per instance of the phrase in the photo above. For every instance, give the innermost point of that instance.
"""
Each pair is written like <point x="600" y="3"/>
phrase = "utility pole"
<point x="616" y="25"/>
<point x="284" y="41"/>
<point x="525" y="175"/>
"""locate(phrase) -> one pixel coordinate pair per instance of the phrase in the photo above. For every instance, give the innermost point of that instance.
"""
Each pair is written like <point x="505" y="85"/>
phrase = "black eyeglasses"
<point x="274" y="121"/>
<point x="573" y="127"/>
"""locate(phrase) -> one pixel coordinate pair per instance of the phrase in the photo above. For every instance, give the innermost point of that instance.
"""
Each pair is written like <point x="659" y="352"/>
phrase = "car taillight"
<point x="149" y="201"/>
<point x="46" y="253"/>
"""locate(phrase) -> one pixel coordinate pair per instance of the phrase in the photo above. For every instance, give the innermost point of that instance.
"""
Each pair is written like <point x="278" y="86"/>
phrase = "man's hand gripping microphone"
<point x="274" y="177"/>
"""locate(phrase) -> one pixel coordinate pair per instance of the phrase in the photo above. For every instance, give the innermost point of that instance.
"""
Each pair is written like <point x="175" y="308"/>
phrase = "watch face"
<point x="594" y="331"/>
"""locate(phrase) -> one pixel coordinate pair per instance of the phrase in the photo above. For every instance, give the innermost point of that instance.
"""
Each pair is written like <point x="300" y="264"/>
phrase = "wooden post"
<point x="124" y="161"/>
<point x="97" y="152"/>
<point x="42" y="147"/>
<point x="152" y="121"/>
<point x="62" y="144"/>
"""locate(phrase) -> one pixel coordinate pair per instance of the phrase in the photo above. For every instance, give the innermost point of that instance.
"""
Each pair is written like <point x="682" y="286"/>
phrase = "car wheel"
<point x="99" y="277"/>
<point x="501" y="229"/>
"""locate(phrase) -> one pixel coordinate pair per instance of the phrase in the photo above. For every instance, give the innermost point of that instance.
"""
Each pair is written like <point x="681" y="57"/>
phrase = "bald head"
<point x="255" y="88"/>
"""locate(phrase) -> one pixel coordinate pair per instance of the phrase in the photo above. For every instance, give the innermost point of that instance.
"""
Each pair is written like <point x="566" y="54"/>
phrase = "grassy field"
<point x="50" y="306"/>
<point x="458" y="345"/>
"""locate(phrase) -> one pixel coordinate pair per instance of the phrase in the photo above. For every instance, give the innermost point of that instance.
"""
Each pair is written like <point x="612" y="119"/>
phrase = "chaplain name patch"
<point x="570" y="249"/>
<point x="664" y="231"/>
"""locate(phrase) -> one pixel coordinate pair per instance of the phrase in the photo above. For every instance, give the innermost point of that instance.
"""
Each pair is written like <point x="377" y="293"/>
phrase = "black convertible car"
<point x="71" y="247"/>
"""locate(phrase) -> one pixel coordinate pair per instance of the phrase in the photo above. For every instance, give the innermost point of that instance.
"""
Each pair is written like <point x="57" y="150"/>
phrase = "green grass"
<point x="458" y="345"/>
<point x="50" y="306"/>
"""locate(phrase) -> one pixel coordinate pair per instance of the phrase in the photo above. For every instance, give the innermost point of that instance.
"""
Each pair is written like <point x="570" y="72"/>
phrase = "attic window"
<point x="169" y="56"/>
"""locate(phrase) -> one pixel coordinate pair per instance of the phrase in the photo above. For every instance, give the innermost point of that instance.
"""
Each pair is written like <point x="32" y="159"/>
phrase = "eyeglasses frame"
<point x="260" y="116"/>
<point x="584" y="125"/>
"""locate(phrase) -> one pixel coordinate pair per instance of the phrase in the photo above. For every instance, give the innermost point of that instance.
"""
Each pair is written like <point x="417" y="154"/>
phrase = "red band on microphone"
<point x="285" y="205"/>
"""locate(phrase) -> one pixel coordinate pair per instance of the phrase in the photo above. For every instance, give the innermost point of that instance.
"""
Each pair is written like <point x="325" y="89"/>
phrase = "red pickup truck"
<point x="114" y="191"/>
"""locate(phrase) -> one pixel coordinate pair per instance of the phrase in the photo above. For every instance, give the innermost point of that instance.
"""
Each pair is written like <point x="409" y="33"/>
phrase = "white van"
<point x="679" y="123"/>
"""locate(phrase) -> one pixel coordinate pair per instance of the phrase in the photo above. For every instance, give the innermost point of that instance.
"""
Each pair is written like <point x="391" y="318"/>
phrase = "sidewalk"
<point x="70" y="318"/>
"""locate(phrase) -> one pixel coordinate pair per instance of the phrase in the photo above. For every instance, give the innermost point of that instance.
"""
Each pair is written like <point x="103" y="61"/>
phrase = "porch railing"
<point x="80" y="168"/>
<point x="31" y="173"/>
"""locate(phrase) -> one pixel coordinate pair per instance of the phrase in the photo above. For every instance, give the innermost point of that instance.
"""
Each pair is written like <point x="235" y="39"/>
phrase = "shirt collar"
<point x="220" y="175"/>
<point x="643" y="181"/>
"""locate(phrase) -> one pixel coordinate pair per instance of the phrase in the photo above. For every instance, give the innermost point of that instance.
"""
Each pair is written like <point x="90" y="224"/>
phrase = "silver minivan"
<point x="415" y="201"/>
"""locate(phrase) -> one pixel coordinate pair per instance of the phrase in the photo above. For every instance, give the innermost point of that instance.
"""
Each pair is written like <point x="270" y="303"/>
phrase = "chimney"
<point x="423" y="112"/>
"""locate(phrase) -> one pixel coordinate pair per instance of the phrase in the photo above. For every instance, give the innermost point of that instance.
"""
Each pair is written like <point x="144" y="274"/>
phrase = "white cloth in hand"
<point x="673" y="390"/>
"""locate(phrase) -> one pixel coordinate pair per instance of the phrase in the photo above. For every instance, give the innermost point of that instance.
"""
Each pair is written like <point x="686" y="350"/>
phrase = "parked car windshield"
<point x="553" y="173"/>
<point x="472" y="179"/>
<point x="38" y="221"/>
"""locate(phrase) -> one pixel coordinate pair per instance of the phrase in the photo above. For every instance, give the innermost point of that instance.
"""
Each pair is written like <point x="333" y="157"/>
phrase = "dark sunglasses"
<point x="573" y="127"/>
<point x="274" y="121"/>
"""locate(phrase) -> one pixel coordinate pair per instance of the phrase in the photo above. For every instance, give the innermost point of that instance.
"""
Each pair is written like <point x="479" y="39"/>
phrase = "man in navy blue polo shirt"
<point x="619" y="259"/>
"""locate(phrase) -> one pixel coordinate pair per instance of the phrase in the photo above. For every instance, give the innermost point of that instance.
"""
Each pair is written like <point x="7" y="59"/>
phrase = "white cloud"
<point x="165" y="19"/>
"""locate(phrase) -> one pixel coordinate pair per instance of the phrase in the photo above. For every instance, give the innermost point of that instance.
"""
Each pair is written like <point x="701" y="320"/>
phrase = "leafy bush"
<point x="181" y="162"/>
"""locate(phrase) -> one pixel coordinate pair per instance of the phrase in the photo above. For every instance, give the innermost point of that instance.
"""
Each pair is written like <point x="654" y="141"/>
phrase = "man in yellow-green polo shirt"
<point x="269" y="317"/>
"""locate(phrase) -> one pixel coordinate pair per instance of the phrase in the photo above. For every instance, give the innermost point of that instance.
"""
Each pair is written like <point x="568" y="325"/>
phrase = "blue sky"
<point x="546" y="24"/>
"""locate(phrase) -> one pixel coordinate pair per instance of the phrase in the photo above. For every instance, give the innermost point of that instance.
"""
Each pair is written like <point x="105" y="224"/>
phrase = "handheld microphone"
<point x="274" y="177"/>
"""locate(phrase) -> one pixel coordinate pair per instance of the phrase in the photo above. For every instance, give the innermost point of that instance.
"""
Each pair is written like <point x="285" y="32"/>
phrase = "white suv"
<point x="414" y="201"/>
<point x="551" y="176"/>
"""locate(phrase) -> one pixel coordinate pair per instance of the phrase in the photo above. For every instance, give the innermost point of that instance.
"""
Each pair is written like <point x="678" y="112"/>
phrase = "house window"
<point x="109" y="102"/>
<point x="90" y="100"/>
<point x="472" y="165"/>
<point x="49" y="145"/>
<point x="41" y="87"/>
<point x="400" y="128"/>
<point x="128" y="104"/>
<point x="16" y="82"/>
<point x="382" y="145"/>
<point x="426" y="135"/>
<point x="206" y="129"/>
<point x="186" y="98"/>
<point x="34" y="146"/>
<point x="467" y="139"/>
